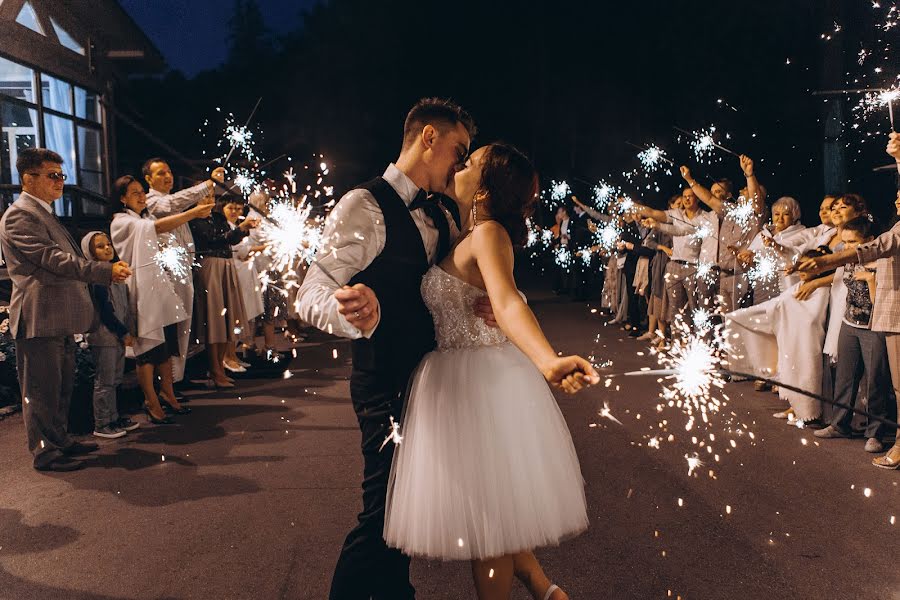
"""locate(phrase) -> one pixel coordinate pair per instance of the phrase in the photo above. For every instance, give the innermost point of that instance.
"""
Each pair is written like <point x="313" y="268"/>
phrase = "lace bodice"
<point x="450" y="300"/>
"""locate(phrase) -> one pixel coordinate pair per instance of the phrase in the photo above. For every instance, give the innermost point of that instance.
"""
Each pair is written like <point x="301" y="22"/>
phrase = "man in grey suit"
<point x="50" y="302"/>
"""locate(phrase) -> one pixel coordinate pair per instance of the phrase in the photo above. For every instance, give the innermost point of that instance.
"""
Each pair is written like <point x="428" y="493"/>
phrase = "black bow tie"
<point x="421" y="201"/>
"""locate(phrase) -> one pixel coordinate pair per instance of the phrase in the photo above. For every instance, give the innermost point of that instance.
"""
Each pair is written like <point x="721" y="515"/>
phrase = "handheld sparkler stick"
<point x="711" y="141"/>
<point x="879" y="95"/>
<point x="673" y="372"/>
<point x="247" y="124"/>
<point x="645" y="148"/>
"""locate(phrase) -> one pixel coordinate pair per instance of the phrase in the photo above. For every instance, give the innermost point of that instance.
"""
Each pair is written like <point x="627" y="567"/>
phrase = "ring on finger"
<point x="356" y="314"/>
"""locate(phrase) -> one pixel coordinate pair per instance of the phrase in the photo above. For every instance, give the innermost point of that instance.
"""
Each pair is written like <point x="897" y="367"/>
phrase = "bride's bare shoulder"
<point x="490" y="233"/>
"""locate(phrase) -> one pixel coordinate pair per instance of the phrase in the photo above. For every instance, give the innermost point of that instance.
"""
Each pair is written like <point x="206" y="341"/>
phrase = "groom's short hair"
<point x="435" y="112"/>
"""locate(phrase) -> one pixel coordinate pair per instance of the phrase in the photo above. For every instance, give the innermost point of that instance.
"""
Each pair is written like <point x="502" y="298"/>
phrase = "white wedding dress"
<point x="486" y="466"/>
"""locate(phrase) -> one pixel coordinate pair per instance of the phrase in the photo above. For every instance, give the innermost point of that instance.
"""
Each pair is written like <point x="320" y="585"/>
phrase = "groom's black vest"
<point x="405" y="332"/>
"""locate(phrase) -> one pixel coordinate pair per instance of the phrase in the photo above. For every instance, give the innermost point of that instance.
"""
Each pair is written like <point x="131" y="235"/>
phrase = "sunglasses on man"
<point x="55" y="175"/>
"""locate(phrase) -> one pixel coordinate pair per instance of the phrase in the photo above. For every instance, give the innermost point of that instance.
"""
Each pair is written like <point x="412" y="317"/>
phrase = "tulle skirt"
<point x="486" y="466"/>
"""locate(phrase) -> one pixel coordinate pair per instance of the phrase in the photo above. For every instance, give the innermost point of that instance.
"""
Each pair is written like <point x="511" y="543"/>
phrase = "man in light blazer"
<point x="50" y="302"/>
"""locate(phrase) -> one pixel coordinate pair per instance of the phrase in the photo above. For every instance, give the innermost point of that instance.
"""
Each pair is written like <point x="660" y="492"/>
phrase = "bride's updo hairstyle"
<point x="510" y="183"/>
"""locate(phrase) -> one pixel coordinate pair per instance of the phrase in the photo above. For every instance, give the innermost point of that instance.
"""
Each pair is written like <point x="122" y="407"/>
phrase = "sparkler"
<point x="693" y="462"/>
<point x="172" y="258"/>
<point x="742" y="213"/>
<point x="704" y="143"/>
<point x="605" y="413"/>
<point x="393" y="435"/>
<point x="563" y="257"/>
<point x="241" y="137"/>
<point x="608" y="236"/>
<point x="706" y="272"/>
<point x="764" y="270"/>
<point x="559" y="190"/>
<point x="603" y="193"/>
<point x="694" y="362"/>
<point x="651" y="156"/>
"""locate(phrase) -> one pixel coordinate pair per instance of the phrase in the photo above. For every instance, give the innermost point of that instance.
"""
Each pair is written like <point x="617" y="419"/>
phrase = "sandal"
<point x="886" y="462"/>
<point x="553" y="588"/>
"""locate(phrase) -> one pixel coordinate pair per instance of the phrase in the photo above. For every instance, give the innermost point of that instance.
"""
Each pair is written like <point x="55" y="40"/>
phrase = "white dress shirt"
<point x="48" y="206"/>
<point x="163" y="205"/>
<point x="693" y="240"/>
<point x="354" y="235"/>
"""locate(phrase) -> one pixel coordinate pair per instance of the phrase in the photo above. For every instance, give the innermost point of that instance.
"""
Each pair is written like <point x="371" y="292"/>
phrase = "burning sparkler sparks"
<point x="173" y="258"/>
<point x="559" y="190"/>
<point x="704" y="145"/>
<point x="562" y="257"/>
<point x="764" y="270"/>
<point x="605" y="413"/>
<point x="742" y="213"/>
<point x="693" y="462"/>
<point x="603" y="194"/>
<point x="608" y="236"/>
<point x="651" y="158"/>
<point x="393" y="435"/>
<point x="694" y="359"/>
<point x="290" y="234"/>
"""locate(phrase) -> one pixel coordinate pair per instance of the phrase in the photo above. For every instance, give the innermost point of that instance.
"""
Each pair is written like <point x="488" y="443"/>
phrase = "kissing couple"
<point x="444" y="343"/>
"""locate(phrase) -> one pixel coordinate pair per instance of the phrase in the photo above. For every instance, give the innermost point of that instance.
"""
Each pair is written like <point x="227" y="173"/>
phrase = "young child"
<point x="108" y="343"/>
<point x="860" y="350"/>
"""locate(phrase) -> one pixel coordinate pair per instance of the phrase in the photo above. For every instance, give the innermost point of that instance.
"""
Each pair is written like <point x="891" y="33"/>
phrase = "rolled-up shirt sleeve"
<point x="354" y="236"/>
<point x="161" y="205"/>
<point x="885" y="245"/>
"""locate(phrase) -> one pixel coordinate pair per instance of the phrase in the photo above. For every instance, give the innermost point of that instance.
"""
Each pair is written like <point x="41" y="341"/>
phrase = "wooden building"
<point x="60" y="63"/>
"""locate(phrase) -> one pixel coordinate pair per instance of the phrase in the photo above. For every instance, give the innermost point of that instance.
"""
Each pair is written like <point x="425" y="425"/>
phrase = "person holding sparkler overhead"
<point x="681" y="280"/>
<point x="161" y="202"/>
<point x="739" y="221"/>
<point x="156" y="306"/>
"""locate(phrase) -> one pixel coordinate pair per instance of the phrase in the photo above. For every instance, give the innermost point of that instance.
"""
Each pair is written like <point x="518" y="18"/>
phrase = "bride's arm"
<point x="493" y="254"/>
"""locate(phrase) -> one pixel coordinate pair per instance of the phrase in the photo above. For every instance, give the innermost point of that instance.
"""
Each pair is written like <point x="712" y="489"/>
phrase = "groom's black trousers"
<point x="367" y="568"/>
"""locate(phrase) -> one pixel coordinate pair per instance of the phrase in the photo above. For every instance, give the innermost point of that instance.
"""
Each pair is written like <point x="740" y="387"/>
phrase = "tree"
<point x="249" y="39"/>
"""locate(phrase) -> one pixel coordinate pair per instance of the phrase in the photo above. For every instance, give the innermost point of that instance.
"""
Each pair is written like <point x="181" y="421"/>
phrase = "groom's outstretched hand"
<point x="571" y="373"/>
<point x="484" y="311"/>
<point x="359" y="305"/>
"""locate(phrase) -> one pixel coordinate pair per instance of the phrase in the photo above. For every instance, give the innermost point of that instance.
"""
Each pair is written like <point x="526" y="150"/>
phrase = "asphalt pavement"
<point x="251" y="495"/>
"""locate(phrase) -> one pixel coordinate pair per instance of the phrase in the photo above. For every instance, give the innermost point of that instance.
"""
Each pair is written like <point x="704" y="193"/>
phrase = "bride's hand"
<point x="571" y="373"/>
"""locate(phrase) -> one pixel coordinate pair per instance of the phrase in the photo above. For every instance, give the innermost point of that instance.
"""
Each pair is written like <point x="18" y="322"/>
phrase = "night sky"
<point x="569" y="82"/>
<point x="191" y="33"/>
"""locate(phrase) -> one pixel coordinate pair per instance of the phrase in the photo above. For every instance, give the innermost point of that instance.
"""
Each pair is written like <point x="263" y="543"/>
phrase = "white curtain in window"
<point x="60" y="137"/>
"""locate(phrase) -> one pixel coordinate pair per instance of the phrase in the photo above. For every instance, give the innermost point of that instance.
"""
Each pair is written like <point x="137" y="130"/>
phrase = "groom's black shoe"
<point x="79" y="449"/>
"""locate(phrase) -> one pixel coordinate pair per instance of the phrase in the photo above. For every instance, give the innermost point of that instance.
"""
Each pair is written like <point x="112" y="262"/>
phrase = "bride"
<point x="487" y="470"/>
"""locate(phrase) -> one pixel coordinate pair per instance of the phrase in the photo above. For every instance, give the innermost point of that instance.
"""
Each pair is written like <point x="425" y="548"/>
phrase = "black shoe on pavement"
<point x="79" y="449"/>
<point x="63" y="464"/>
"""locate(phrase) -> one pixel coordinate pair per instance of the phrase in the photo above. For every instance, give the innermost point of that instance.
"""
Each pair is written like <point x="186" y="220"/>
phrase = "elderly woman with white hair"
<point x="770" y="252"/>
<point x="783" y="337"/>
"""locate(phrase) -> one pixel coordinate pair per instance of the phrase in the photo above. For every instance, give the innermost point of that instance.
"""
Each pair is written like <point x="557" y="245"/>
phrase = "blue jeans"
<point x="110" y="367"/>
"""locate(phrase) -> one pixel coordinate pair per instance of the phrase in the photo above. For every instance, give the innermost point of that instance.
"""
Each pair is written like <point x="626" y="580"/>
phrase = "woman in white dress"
<point x="784" y="337"/>
<point x="486" y="470"/>
<point x="136" y="237"/>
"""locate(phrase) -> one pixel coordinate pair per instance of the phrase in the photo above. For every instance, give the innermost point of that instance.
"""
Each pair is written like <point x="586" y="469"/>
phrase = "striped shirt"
<point x="885" y="249"/>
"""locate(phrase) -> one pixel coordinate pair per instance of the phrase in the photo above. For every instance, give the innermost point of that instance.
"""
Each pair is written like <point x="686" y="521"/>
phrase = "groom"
<point x="381" y="238"/>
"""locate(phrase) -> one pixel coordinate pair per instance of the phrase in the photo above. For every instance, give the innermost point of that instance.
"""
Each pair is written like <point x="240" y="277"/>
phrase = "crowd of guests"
<point x="815" y="309"/>
<point x="173" y="272"/>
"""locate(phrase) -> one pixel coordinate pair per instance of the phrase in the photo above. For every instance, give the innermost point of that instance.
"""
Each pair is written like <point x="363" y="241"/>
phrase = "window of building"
<point x="71" y="125"/>
<point x="29" y="19"/>
<point x="65" y="39"/>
